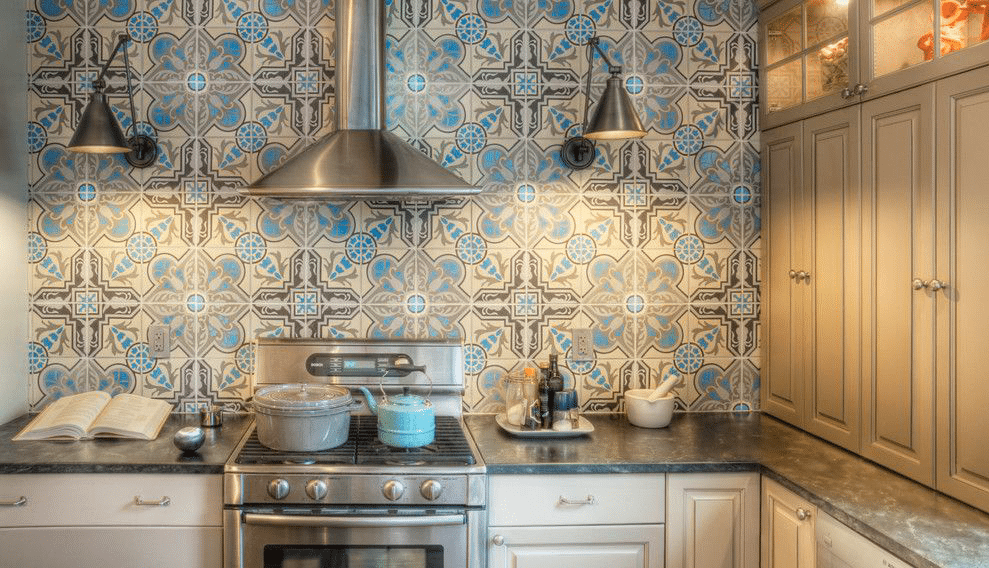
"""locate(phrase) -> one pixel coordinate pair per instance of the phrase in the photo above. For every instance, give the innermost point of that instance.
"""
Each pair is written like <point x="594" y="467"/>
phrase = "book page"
<point x="132" y="416"/>
<point x="69" y="416"/>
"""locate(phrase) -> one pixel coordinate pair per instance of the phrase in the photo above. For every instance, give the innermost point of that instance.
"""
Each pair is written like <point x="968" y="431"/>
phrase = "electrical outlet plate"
<point x="583" y="345"/>
<point x="158" y="341"/>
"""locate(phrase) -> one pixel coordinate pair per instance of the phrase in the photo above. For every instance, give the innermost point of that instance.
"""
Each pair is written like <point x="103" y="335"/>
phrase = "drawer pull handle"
<point x="19" y="503"/>
<point x="588" y="501"/>
<point x="163" y="502"/>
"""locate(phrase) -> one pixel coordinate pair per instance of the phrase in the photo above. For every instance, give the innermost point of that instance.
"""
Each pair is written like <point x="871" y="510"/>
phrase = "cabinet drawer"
<point x="521" y="500"/>
<point x="108" y="499"/>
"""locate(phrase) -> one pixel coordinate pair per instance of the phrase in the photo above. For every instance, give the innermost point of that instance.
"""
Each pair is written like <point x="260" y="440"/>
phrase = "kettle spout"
<point x="371" y="404"/>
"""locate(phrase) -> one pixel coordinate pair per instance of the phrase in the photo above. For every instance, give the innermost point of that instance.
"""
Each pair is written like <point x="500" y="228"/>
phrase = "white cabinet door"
<point x="787" y="528"/>
<point x="599" y="546"/>
<point x="713" y="520"/>
<point x="103" y="547"/>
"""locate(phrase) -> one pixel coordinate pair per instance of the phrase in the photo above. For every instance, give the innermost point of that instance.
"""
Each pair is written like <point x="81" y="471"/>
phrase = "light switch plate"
<point x="583" y="345"/>
<point x="158" y="341"/>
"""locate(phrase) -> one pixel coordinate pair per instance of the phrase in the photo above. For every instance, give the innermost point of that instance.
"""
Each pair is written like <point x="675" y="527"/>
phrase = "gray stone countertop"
<point x="919" y="525"/>
<point x="107" y="455"/>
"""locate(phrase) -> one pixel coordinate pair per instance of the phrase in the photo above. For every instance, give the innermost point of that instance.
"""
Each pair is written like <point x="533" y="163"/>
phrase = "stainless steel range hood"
<point x="361" y="160"/>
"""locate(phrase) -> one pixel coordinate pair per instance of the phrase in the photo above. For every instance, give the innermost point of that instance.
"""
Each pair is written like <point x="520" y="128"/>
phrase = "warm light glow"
<point x="841" y="2"/>
<point x="100" y="149"/>
<point x="615" y="134"/>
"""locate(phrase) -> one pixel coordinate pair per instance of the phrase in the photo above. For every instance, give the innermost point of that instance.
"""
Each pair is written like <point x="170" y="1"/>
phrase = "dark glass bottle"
<point x="552" y="382"/>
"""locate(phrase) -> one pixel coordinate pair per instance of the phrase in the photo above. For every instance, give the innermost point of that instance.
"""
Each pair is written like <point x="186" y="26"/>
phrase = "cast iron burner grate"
<point x="450" y="446"/>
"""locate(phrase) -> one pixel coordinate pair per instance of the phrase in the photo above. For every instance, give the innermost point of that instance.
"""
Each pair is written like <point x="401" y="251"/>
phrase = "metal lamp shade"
<point x="98" y="131"/>
<point x="615" y="117"/>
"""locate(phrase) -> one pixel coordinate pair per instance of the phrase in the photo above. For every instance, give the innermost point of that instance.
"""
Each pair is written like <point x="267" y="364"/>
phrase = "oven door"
<point x="308" y="539"/>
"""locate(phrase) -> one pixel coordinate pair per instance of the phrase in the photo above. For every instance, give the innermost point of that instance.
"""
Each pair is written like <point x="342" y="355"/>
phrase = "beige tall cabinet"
<point x="875" y="342"/>
<point x="962" y="287"/>
<point x="812" y="268"/>
<point x="898" y="305"/>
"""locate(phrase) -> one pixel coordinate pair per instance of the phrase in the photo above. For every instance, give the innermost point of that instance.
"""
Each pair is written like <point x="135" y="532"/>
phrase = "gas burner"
<point x="404" y="462"/>
<point x="299" y="461"/>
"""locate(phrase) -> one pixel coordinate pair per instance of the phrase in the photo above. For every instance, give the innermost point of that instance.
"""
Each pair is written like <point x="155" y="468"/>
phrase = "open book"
<point x="91" y="414"/>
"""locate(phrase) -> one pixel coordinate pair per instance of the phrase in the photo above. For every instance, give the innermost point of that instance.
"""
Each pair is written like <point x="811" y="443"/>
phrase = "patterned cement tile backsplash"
<point x="654" y="247"/>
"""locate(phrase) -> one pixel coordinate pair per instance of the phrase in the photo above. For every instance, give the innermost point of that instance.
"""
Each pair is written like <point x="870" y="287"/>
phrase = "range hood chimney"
<point x="361" y="160"/>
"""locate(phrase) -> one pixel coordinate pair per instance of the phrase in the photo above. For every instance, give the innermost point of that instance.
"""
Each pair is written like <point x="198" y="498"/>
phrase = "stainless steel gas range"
<point x="362" y="503"/>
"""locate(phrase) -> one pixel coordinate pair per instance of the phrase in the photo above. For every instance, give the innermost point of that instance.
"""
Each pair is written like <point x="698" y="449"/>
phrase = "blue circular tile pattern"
<point x="37" y="357"/>
<point x="196" y="82"/>
<point x="581" y="249"/>
<point x="471" y="248"/>
<point x="526" y="193"/>
<point x="361" y="248"/>
<point x="36" y="247"/>
<point x="688" y="139"/>
<point x="471" y="28"/>
<point x="474" y="359"/>
<point x="139" y="358"/>
<point x="35" y="26"/>
<point x="250" y="247"/>
<point x="687" y="31"/>
<point x="634" y="303"/>
<point x="244" y="359"/>
<point x="142" y="27"/>
<point x="634" y="84"/>
<point x="87" y="192"/>
<point x="416" y="303"/>
<point x="196" y="303"/>
<point x="416" y="82"/>
<point x="251" y="137"/>
<point x="252" y="27"/>
<point x="141" y="247"/>
<point x="471" y="138"/>
<point x="688" y="248"/>
<point x="688" y="358"/>
<point x="37" y="137"/>
<point x="579" y="29"/>
<point x="741" y="194"/>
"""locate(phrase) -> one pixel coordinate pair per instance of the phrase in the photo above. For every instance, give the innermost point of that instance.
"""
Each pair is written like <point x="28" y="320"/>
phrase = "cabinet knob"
<point x="936" y="285"/>
<point x="919" y="284"/>
<point x="847" y="93"/>
<point x="793" y="274"/>
<point x="497" y="540"/>
<point x="803" y="275"/>
<point x="803" y="514"/>
<point x="861" y="89"/>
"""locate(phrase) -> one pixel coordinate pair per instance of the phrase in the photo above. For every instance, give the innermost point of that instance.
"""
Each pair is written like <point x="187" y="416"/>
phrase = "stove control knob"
<point x="278" y="488"/>
<point x="393" y="490"/>
<point x="316" y="489"/>
<point x="431" y="489"/>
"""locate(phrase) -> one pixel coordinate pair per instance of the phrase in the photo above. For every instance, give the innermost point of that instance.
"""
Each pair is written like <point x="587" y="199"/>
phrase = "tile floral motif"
<point x="654" y="248"/>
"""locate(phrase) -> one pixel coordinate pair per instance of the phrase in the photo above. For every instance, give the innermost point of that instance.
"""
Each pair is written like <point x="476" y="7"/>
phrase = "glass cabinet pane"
<point x="783" y="36"/>
<point x="902" y="40"/>
<point x="827" y="69"/>
<point x="880" y="7"/>
<point x="785" y="85"/>
<point x="826" y="20"/>
<point x="963" y="24"/>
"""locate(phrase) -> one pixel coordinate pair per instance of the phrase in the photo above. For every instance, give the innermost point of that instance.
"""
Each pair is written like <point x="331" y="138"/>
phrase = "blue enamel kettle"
<point x="405" y="420"/>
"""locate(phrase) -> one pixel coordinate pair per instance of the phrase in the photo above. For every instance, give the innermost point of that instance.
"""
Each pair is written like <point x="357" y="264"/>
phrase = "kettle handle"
<point x="410" y="368"/>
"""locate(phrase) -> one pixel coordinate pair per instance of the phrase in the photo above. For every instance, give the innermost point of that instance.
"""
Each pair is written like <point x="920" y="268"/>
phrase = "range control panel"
<point x="360" y="365"/>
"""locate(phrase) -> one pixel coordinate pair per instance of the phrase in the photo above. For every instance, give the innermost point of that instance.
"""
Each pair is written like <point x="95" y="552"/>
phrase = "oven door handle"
<point x="343" y="522"/>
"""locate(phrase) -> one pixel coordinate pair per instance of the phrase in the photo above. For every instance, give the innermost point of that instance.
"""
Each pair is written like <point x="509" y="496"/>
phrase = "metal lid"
<point x="302" y="397"/>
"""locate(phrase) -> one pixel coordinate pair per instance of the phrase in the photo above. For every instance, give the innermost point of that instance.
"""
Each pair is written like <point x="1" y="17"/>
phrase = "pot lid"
<point x="302" y="396"/>
<point x="408" y="400"/>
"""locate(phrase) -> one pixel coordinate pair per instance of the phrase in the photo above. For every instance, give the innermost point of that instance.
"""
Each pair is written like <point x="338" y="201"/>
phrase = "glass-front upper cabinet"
<point x="808" y="58"/>
<point x="818" y="55"/>
<point x="903" y="46"/>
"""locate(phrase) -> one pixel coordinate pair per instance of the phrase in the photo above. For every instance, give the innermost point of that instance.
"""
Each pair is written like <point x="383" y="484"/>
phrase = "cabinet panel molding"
<point x="713" y="521"/>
